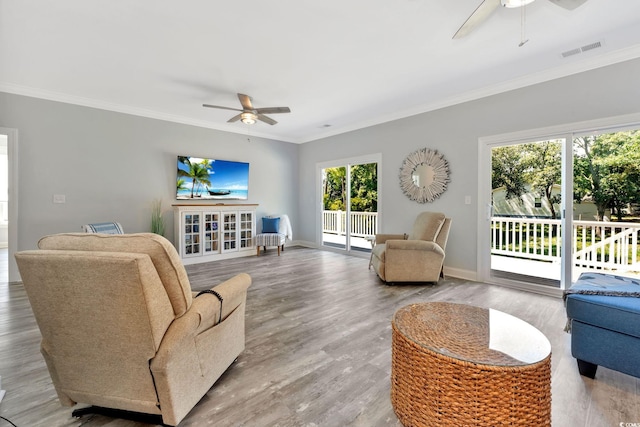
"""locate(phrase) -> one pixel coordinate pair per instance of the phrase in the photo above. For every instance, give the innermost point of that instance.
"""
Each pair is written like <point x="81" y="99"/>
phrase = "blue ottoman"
<point x="605" y="329"/>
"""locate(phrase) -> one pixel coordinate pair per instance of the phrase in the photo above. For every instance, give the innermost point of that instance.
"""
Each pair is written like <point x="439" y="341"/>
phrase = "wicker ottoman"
<point x="459" y="365"/>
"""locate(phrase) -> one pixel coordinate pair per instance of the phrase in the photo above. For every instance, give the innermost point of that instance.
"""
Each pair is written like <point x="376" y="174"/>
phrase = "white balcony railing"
<point x="363" y="224"/>
<point x="611" y="246"/>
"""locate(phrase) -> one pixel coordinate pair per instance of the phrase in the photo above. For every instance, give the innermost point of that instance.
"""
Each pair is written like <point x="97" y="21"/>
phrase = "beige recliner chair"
<point x="121" y="327"/>
<point x="418" y="257"/>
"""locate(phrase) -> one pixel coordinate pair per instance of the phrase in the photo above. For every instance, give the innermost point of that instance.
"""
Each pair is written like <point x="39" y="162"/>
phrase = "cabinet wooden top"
<point x="179" y="205"/>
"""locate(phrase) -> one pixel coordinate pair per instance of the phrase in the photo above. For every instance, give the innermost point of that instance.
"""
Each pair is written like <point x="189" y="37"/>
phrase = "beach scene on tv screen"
<point x="200" y="178"/>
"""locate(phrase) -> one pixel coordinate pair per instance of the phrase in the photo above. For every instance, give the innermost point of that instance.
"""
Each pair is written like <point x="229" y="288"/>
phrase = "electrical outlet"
<point x="59" y="198"/>
<point x="467" y="200"/>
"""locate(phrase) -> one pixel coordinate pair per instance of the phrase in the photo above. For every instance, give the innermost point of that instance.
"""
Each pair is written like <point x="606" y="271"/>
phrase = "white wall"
<point x="110" y="166"/>
<point x="454" y="131"/>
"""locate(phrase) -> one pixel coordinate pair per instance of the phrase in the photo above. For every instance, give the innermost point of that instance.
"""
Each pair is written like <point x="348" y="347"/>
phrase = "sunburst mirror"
<point x="424" y="175"/>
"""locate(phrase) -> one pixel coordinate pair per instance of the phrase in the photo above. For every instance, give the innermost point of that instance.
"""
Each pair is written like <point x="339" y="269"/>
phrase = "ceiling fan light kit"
<point x="248" y="118"/>
<point x="249" y="115"/>
<point x="515" y="3"/>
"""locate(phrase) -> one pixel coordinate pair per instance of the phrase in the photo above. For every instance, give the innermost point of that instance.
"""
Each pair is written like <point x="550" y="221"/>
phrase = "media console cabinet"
<point x="208" y="232"/>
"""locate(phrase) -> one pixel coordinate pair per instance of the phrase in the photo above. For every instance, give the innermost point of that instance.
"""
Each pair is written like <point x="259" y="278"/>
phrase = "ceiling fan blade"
<point x="273" y="110"/>
<point x="478" y="16"/>
<point x="266" y="119"/>
<point x="218" y="106"/>
<point x="568" y="4"/>
<point x="235" y="118"/>
<point x="245" y="100"/>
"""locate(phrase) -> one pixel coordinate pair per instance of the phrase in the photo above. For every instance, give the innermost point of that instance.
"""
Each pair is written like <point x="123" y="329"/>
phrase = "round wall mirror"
<point x="424" y="175"/>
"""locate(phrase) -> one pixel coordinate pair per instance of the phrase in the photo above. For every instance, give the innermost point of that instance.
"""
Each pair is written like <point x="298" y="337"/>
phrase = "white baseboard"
<point x="460" y="273"/>
<point x="303" y="243"/>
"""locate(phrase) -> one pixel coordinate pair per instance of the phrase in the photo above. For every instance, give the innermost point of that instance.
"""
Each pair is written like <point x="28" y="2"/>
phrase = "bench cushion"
<point x="270" y="239"/>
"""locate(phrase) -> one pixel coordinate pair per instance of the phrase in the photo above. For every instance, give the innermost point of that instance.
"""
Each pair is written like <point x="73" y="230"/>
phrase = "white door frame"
<point x="12" y="157"/>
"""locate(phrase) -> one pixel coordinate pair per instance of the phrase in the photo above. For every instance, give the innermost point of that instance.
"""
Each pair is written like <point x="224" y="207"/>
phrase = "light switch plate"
<point x="59" y="198"/>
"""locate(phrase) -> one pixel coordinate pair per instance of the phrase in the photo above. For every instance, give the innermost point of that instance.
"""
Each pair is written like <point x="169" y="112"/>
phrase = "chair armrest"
<point x="233" y="293"/>
<point x="203" y="314"/>
<point x="414" y="245"/>
<point x="382" y="238"/>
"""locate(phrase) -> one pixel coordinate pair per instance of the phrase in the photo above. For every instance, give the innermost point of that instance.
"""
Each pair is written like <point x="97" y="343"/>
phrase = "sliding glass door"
<point x="349" y="204"/>
<point x="606" y="214"/>
<point x="525" y="224"/>
<point x="557" y="207"/>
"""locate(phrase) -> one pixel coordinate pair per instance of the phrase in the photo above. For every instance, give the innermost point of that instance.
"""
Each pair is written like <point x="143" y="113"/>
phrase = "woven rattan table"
<point x="459" y="365"/>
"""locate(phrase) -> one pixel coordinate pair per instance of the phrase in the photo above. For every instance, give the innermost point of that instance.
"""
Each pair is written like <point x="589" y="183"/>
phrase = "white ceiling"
<point x="339" y="65"/>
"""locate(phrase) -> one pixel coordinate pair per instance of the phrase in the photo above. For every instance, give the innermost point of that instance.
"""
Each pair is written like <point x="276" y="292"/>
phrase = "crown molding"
<point x="574" y="67"/>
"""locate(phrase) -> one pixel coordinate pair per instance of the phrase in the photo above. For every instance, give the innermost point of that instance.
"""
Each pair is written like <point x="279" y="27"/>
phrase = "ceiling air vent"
<point x="571" y="52"/>
<point x="591" y="46"/>
<point x="578" y="50"/>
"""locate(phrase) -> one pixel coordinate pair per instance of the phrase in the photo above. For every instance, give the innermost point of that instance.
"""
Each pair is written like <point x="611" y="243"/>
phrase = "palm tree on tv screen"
<point x="180" y="184"/>
<point x="198" y="172"/>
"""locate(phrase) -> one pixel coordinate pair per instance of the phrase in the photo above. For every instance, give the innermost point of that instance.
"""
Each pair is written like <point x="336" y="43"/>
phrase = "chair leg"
<point x="278" y="250"/>
<point x="587" y="369"/>
<point x="258" y="250"/>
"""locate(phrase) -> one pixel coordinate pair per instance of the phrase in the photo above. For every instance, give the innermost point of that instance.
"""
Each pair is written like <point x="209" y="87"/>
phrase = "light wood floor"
<point x="317" y="350"/>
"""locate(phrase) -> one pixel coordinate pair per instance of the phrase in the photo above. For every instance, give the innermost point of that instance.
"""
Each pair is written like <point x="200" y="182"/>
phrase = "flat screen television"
<point x="200" y="179"/>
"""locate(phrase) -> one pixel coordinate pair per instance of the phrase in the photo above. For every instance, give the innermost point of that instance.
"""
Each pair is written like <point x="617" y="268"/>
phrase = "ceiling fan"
<point x="487" y="7"/>
<point x="250" y="115"/>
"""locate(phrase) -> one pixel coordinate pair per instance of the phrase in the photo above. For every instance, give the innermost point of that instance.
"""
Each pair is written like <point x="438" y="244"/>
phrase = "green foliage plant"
<point x="363" y="191"/>
<point x="157" y="222"/>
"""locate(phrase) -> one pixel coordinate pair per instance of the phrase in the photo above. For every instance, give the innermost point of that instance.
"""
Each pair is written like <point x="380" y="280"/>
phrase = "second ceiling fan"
<point x="487" y="7"/>
<point x="248" y="114"/>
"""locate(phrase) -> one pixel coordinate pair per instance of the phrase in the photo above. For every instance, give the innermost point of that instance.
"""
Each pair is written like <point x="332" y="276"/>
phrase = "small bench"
<point x="276" y="230"/>
<point x="270" y="239"/>
<point x="605" y="328"/>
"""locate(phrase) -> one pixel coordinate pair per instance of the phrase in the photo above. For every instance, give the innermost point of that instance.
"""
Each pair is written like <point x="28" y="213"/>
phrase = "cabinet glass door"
<point x="191" y="243"/>
<point x="229" y="238"/>
<point x="246" y="230"/>
<point x="211" y="233"/>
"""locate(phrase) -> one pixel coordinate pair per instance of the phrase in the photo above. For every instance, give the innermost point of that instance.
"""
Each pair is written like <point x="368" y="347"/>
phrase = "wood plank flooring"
<point x="318" y="350"/>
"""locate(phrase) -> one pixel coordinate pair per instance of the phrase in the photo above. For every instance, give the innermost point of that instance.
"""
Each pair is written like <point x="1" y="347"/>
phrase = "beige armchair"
<point x="121" y="327"/>
<point x="417" y="257"/>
